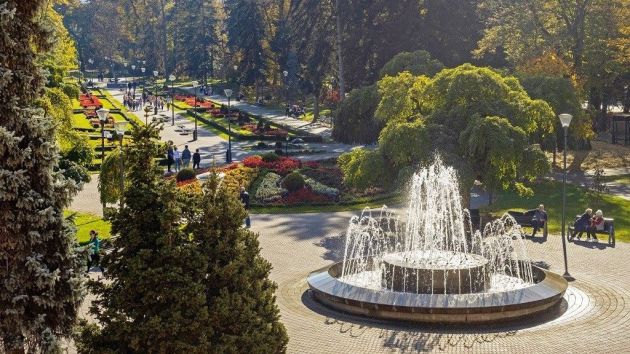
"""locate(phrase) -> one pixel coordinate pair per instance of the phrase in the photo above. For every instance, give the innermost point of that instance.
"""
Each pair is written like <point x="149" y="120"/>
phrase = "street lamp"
<point x="286" y="89"/>
<point x="228" y="156"/>
<point x="155" y="93"/>
<point x="147" y="109"/>
<point x="133" y="78"/>
<point x="565" y="120"/>
<point x="286" y="146"/>
<point x="121" y="128"/>
<point x="102" y="117"/>
<point x="194" y="86"/>
<point x="172" y="80"/>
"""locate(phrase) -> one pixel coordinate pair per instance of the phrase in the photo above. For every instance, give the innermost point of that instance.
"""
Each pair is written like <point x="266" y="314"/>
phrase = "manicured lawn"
<point x="550" y="194"/>
<point x="79" y="120"/>
<point x="209" y="127"/>
<point x="86" y="222"/>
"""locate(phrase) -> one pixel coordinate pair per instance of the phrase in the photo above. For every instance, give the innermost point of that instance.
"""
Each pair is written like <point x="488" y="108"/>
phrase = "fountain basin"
<point x="435" y="272"/>
<point x="437" y="308"/>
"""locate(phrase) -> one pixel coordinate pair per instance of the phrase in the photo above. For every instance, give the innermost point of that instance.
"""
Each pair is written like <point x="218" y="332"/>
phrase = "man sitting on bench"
<point x="539" y="219"/>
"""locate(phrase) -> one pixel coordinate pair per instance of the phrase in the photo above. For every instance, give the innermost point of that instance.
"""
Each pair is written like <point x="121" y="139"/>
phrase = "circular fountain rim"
<point x="480" y="261"/>
<point x="437" y="308"/>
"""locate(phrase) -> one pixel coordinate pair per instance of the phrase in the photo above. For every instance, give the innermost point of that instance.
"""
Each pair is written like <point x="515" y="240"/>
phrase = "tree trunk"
<point x="316" y="108"/>
<point x="342" y="83"/>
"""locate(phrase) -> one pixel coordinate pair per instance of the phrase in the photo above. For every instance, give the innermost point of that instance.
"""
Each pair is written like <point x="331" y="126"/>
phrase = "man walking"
<point x="196" y="159"/>
<point x="245" y="200"/>
<point x="169" y="156"/>
<point x="186" y="157"/>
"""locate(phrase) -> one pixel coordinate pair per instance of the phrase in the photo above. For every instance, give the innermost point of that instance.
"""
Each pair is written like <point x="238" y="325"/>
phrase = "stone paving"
<point x="594" y="317"/>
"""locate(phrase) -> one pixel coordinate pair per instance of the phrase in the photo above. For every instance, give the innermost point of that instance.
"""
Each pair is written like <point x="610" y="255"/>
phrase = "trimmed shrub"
<point x="270" y="157"/>
<point x="293" y="182"/>
<point x="185" y="174"/>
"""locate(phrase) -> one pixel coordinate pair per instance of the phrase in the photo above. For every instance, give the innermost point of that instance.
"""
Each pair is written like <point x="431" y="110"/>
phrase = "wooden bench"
<point x="609" y="229"/>
<point x="524" y="218"/>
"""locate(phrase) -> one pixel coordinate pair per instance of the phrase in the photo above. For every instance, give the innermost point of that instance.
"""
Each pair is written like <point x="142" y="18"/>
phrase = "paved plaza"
<point x="594" y="318"/>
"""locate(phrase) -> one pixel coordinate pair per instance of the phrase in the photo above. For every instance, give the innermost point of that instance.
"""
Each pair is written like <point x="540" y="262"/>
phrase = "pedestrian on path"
<point x="169" y="156"/>
<point x="245" y="200"/>
<point x="177" y="158"/>
<point x="186" y="157"/>
<point x="196" y="159"/>
<point x="94" y="249"/>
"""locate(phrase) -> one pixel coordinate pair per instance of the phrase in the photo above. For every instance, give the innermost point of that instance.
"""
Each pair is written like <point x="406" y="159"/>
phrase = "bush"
<point x="270" y="157"/>
<point x="71" y="90"/>
<point x="185" y="175"/>
<point x="293" y="182"/>
<point x="364" y="168"/>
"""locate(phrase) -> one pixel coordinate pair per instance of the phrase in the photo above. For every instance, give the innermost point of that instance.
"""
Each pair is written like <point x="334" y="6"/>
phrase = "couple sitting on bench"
<point x="589" y="223"/>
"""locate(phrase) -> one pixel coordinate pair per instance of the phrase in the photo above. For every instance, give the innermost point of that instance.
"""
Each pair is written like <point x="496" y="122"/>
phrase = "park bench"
<point x="524" y="219"/>
<point x="609" y="229"/>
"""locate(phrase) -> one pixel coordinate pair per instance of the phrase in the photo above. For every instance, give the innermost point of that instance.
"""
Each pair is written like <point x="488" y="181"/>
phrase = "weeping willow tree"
<point x="40" y="277"/>
<point x="109" y="180"/>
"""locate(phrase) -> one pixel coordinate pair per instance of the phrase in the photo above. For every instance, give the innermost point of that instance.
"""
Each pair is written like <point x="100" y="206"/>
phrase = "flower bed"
<point x="281" y="166"/>
<point x="254" y="128"/>
<point x="269" y="190"/>
<point x="89" y="101"/>
<point x="236" y="176"/>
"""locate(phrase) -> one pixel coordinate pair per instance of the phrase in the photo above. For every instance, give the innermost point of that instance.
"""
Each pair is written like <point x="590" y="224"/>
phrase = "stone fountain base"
<point x="464" y="274"/>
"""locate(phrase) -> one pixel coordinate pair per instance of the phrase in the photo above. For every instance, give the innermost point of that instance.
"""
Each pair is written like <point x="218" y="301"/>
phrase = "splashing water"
<point x="434" y="249"/>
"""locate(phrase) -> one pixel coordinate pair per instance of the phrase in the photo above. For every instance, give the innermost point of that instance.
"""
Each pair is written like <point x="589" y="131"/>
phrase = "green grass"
<point x="79" y="120"/>
<point x="86" y="222"/>
<point x="209" y="127"/>
<point x="116" y="104"/>
<point x="308" y="116"/>
<point x="550" y="194"/>
<point x="618" y="179"/>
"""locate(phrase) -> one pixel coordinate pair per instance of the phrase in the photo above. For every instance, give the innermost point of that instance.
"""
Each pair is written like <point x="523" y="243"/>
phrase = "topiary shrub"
<point x="185" y="174"/>
<point x="293" y="182"/>
<point x="270" y="157"/>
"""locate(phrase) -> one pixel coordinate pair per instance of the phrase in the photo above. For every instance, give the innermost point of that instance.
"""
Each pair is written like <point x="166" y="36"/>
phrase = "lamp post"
<point x="147" y="109"/>
<point x="286" y="146"/>
<point x="194" y="86"/>
<point x="228" y="156"/>
<point x="155" y="93"/>
<point x="121" y="128"/>
<point x="133" y="78"/>
<point x="102" y="117"/>
<point x="286" y="88"/>
<point x="143" y="69"/>
<point x="565" y="120"/>
<point x="172" y="80"/>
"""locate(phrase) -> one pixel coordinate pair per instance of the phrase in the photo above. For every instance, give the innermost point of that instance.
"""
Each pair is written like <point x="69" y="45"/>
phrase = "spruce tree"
<point x="243" y="315"/>
<point x="39" y="278"/>
<point x="152" y="299"/>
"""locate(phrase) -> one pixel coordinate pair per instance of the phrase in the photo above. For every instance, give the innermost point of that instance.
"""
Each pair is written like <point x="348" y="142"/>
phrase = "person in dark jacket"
<point x="196" y="159"/>
<point x="539" y="219"/>
<point x="245" y="200"/>
<point x="169" y="156"/>
<point x="186" y="157"/>
<point x="582" y="224"/>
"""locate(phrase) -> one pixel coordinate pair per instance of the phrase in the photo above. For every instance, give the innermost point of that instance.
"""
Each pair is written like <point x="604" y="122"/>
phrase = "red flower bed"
<point x="282" y="166"/>
<point x="89" y="101"/>
<point x="271" y="132"/>
<point x="190" y="100"/>
<point x="304" y="195"/>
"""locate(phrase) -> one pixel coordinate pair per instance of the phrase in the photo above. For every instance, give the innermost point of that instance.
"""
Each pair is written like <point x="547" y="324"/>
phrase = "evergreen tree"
<point x="243" y="316"/>
<point x="39" y="281"/>
<point x="152" y="300"/>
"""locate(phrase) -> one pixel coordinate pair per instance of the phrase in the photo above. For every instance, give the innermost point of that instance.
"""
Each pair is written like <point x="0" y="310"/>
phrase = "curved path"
<point x="594" y="318"/>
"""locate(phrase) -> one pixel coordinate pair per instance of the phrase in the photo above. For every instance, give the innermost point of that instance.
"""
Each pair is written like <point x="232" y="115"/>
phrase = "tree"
<point x="153" y="297"/>
<point x="310" y="24"/>
<point x="417" y="63"/>
<point x="354" y="119"/>
<point x="41" y="280"/>
<point x="365" y="168"/>
<point x="240" y="297"/>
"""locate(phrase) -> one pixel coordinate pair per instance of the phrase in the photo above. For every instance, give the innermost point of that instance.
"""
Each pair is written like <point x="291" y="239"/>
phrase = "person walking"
<point x="177" y="158"/>
<point x="539" y="219"/>
<point x="196" y="159"/>
<point x="95" y="249"/>
<point x="186" y="157"/>
<point x="245" y="200"/>
<point x="169" y="156"/>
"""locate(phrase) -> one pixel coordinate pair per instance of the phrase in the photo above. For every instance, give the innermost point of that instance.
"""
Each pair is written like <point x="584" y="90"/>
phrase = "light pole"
<point x="286" y="90"/>
<point x="147" y="109"/>
<point x="121" y="128"/>
<point x="286" y="146"/>
<point x="155" y="93"/>
<point x="172" y="79"/>
<point x="194" y="86"/>
<point x="133" y="78"/>
<point x="126" y="72"/>
<point x="228" y="156"/>
<point x="143" y="69"/>
<point x="565" y="120"/>
<point x="102" y="117"/>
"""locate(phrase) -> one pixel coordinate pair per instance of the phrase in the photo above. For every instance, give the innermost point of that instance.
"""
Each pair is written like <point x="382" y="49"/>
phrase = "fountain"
<point x="431" y="266"/>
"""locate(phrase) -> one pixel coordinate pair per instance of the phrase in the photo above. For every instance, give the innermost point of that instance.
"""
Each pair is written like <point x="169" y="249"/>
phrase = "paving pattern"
<point x="593" y="318"/>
